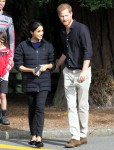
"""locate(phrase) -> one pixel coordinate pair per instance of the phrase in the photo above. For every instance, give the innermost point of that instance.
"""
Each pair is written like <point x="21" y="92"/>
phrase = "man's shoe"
<point x="69" y="141"/>
<point x="73" y="143"/>
<point x="39" y="144"/>
<point x="5" y="121"/>
<point x="83" y="140"/>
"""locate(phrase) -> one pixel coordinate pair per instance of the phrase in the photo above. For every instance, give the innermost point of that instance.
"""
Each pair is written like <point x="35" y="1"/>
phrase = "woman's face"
<point x="37" y="35"/>
<point x="2" y="4"/>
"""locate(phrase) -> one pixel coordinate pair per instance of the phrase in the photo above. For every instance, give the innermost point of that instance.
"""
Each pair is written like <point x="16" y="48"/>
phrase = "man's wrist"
<point x="57" y="65"/>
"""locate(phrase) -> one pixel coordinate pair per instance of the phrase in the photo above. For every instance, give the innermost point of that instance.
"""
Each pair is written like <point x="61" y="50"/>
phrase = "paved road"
<point x="94" y="143"/>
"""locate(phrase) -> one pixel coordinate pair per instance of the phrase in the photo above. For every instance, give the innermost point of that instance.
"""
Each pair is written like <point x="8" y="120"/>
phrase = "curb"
<point x="102" y="131"/>
<point x="64" y="133"/>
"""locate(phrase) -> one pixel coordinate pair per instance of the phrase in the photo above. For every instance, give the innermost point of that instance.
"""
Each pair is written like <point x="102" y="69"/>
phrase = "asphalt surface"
<point x="94" y="143"/>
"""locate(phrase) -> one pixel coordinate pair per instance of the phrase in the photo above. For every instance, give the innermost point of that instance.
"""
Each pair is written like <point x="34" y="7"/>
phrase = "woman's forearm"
<point x="25" y="69"/>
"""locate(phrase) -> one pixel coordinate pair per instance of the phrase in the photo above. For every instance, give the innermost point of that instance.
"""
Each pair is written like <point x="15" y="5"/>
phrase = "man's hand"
<point x="82" y="77"/>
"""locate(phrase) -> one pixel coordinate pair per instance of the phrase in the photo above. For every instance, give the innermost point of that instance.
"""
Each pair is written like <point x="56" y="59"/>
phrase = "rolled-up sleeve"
<point x="51" y="58"/>
<point x="86" y="43"/>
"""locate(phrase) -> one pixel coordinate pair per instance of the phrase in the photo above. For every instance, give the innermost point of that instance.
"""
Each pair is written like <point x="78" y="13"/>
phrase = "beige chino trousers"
<point x="77" y="102"/>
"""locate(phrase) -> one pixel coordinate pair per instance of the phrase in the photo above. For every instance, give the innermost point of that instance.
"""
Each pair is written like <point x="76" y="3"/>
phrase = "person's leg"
<point x="40" y="105"/>
<point x="4" y="89"/>
<point x="0" y="104"/>
<point x="31" y="115"/>
<point x="0" y="110"/>
<point x="4" y="119"/>
<point x="71" y="96"/>
<point x="83" y="105"/>
<point x="39" y="116"/>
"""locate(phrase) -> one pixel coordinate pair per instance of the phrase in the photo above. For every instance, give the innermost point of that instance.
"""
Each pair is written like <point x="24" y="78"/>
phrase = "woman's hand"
<point x="43" y="68"/>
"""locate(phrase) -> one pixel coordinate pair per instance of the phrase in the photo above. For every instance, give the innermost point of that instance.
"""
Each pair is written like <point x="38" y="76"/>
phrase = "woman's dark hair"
<point x="33" y="25"/>
<point x="3" y="37"/>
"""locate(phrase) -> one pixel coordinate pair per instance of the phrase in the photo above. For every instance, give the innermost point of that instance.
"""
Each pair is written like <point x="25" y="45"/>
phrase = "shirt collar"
<point x="73" y="24"/>
<point x="71" y="27"/>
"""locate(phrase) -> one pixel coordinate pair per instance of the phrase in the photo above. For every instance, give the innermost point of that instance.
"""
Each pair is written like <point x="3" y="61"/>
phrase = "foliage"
<point x="102" y="87"/>
<point x="51" y="2"/>
<point x="96" y="4"/>
<point x="91" y="4"/>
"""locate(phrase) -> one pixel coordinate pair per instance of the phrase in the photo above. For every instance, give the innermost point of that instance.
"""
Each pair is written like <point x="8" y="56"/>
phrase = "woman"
<point x="5" y="67"/>
<point x="31" y="54"/>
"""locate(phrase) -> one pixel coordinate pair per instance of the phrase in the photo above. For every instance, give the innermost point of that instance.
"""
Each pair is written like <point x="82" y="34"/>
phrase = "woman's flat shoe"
<point x="32" y="143"/>
<point x="39" y="144"/>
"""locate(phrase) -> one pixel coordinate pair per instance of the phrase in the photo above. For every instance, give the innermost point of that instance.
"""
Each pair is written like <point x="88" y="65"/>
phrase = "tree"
<point x="96" y="4"/>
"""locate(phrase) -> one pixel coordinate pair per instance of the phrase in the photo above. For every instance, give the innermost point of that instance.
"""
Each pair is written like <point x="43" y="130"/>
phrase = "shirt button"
<point x="69" y="66"/>
<point x="69" y="59"/>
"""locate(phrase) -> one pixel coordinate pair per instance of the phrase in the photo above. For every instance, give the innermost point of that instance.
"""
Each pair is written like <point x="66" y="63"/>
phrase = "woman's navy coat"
<point x="30" y="57"/>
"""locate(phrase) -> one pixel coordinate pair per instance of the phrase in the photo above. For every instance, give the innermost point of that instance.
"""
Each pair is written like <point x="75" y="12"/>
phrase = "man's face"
<point x="2" y="4"/>
<point x="66" y="18"/>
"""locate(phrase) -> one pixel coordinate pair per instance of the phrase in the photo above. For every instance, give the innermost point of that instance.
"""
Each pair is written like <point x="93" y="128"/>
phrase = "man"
<point x="77" y="53"/>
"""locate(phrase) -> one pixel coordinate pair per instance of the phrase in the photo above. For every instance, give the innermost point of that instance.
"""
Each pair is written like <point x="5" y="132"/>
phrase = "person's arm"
<point x="60" y="61"/>
<point x="46" y="66"/>
<point x="11" y="34"/>
<point x="82" y="76"/>
<point x="11" y="38"/>
<point x="19" y="57"/>
<point x="26" y="69"/>
<point x="88" y="52"/>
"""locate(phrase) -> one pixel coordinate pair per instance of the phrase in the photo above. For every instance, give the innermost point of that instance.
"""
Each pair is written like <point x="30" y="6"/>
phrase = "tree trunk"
<point x="59" y="98"/>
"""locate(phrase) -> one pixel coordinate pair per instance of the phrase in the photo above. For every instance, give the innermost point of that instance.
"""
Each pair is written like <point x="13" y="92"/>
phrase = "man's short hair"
<point x="64" y="6"/>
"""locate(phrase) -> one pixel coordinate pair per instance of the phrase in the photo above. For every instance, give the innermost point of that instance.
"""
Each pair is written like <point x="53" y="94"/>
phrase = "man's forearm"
<point x="60" y="61"/>
<point x="85" y="65"/>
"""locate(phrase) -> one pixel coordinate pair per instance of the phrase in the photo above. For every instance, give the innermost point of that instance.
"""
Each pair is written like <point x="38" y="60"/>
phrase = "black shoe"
<point x="5" y="121"/>
<point x="39" y="144"/>
<point x="32" y="143"/>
